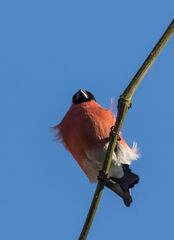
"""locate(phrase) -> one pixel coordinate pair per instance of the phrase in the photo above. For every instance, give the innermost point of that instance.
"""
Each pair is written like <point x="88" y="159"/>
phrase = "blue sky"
<point x="48" y="50"/>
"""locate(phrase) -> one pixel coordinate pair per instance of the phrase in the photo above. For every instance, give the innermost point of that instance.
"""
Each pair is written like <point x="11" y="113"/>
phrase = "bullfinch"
<point x="85" y="132"/>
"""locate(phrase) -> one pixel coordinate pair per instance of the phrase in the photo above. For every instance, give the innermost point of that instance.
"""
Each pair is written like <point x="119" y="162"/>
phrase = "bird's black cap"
<point x="82" y="96"/>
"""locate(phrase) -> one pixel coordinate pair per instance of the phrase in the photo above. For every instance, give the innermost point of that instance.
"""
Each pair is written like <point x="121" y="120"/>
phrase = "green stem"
<point x="92" y="210"/>
<point x="124" y="103"/>
<point x="131" y="88"/>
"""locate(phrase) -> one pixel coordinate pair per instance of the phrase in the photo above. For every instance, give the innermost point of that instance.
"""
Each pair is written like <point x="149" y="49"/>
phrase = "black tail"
<point x="115" y="187"/>
<point x="128" y="180"/>
<point x="122" y="185"/>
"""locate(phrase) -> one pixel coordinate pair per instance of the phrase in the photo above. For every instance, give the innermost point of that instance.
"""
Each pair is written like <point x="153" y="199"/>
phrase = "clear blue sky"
<point x="48" y="50"/>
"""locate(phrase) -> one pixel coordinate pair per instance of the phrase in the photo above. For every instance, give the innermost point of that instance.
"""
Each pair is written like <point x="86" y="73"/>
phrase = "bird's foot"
<point x="103" y="177"/>
<point x="113" y="132"/>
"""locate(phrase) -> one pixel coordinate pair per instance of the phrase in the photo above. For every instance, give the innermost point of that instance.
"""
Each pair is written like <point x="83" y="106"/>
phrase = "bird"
<point x="85" y="132"/>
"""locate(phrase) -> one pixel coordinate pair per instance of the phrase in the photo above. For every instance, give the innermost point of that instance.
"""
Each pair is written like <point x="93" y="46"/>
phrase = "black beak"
<point x="82" y="94"/>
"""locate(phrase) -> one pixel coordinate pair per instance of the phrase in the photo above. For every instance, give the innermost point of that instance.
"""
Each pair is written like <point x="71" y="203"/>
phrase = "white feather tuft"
<point x="126" y="155"/>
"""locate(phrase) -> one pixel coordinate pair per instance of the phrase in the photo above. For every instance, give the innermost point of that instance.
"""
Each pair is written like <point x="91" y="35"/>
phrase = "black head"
<point x="82" y="96"/>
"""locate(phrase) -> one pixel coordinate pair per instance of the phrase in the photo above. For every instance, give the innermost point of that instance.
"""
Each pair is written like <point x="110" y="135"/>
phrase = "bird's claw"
<point x="103" y="177"/>
<point x="113" y="132"/>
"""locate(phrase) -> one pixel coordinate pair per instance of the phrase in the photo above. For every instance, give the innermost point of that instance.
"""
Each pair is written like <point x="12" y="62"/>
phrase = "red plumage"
<point x="85" y="132"/>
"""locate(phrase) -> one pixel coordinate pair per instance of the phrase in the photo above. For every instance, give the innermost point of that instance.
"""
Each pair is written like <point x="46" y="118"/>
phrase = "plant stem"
<point x="124" y="103"/>
<point x="131" y="88"/>
<point x="92" y="210"/>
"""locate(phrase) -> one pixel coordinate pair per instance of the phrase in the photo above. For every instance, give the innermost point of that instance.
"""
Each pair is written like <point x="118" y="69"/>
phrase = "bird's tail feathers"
<point x="115" y="187"/>
<point x="128" y="180"/>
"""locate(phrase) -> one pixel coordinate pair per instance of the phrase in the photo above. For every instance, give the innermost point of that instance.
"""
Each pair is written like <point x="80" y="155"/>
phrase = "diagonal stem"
<point x="124" y="103"/>
<point x="131" y="88"/>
